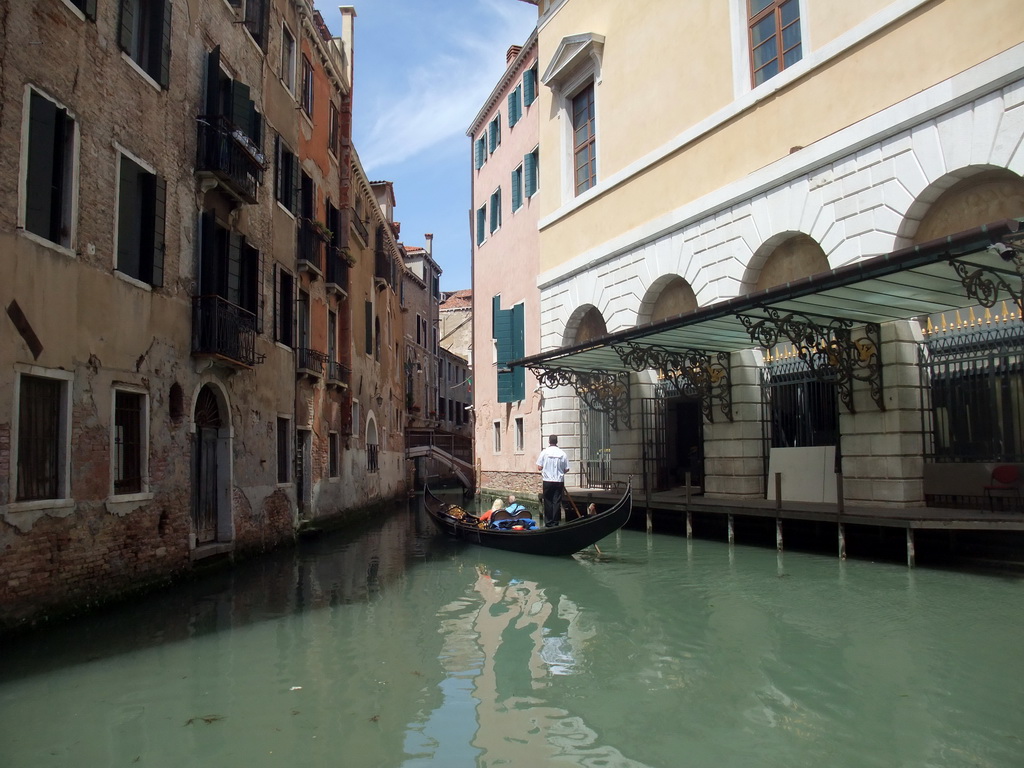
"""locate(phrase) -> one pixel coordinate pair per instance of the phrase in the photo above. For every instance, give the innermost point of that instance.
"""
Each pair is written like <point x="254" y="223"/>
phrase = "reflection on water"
<point x="395" y="647"/>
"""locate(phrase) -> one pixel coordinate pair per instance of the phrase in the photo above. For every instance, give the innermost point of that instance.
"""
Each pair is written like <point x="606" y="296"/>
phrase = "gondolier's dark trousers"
<point x="553" y="502"/>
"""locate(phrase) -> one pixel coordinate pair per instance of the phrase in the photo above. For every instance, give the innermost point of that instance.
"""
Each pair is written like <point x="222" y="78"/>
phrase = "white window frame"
<point x="740" y="33"/>
<point x="288" y="67"/>
<point x="520" y="435"/>
<point x="144" y="492"/>
<point x="563" y="98"/>
<point x="63" y="498"/>
<point x="73" y="179"/>
<point x="122" y="152"/>
<point x="496" y="433"/>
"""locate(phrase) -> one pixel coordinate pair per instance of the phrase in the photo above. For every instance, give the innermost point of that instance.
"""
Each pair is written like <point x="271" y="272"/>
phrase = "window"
<point x="494" y="133"/>
<point x="508" y="332"/>
<point x="255" y="19"/>
<point x="496" y="430"/>
<point x="87" y="7"/>
<point x="141" y="210"/>
<point x="307" y="86"/>
<point x="531" y="172"/>
<point x="284" y="458"/>
<point x="144" y="33"/>
<point x="302" y="310"/>
<point x="530" y="86"/>
<point x="520" y="441"/>
<point x="515" y="109"/>
<point x="49" y="170"/>
<point x="130" y="439"/>
<point x="284" y="307"/>
<point x="495" y="210"/>
<point x="42" y="437"/>
<point x="479" y="153"/>
<point x="584" y="147"/>
<point x="287" y="59"/>
<point x="368" y="320"/>
<point x="774" y="37"/>
<point x="332" y="339"/>
<point x="335" y="127"/>
<point x="286" y="183"/>
<point x="231" y="268"/>
<point x="333" y="455"/>
<point x="517" y="188"/>
<point x="481" y="224"/>
<point x="419" y="330"/>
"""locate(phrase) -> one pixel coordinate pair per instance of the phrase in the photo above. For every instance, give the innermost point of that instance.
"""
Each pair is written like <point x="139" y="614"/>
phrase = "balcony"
<point x="383" y="267"/>
<point x="224" y="331"/>
<point x="359" y="226"/>
<point x="337" y="271"/>
<point x="310" y="362"/>
<point x="227" y="155"/>
<point x="338" y="374"/>
<point x="313" y="241"/>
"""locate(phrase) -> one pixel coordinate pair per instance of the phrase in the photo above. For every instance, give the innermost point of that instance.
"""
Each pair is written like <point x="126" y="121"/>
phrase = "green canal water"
<point x="391" y="646"/>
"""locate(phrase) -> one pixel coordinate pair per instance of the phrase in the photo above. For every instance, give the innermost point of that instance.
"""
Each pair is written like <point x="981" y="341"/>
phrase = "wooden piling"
<point x="842" y="541"/>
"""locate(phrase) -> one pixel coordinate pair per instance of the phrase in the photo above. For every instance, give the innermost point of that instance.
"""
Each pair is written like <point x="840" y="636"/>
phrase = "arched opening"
<point x="986" y="196"/>
<point x="211" y="454"/>
<point x="796" y="257"/>
<point x="372" y="446"/>
<point x="675" y="298"/>
<point x="591" y="326"/>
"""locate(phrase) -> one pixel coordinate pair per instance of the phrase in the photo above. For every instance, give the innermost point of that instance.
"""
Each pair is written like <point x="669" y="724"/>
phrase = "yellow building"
<point x="700" y="161"/>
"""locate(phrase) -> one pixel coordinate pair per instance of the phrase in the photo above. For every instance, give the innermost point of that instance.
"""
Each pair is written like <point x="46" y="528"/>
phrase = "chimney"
<point x="348" y="20"/>
<point x="430" y="244"/>
<point x="510" y="55"/>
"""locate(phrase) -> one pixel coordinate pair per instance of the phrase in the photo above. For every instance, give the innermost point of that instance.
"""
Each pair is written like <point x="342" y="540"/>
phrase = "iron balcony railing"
<point x="337" y="269"/>
<point x="312" y="245"/>
<point x="224" y="330"/>
<point x="359" y="226"/>
<point x="337" y="373"/>
<point x="229" y="155"/>
<point x="310" y="360"/>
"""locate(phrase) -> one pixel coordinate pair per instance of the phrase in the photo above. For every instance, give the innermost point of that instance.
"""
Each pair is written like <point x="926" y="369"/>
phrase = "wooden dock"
<point x="704" y="516"/>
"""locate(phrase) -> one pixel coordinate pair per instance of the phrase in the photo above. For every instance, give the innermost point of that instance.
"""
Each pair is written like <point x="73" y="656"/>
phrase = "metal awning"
<point x="818" y="315"/>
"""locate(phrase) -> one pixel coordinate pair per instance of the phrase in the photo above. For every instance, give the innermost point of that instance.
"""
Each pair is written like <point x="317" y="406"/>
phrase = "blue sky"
<point x="422" y="71"/>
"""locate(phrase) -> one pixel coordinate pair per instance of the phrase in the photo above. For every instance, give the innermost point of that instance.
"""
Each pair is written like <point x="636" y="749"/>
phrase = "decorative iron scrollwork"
<point x="827" y="347"/>
<point x="988" y="286"/>
<point x="693" y="372"/>
<point x="607" y="391"/>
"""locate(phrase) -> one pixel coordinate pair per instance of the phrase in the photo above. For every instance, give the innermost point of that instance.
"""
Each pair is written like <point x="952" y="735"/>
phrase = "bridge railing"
<point x="457" y="446"/>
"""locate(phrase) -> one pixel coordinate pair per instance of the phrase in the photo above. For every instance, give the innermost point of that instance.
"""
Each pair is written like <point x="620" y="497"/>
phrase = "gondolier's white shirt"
<point x="553" y="464"/>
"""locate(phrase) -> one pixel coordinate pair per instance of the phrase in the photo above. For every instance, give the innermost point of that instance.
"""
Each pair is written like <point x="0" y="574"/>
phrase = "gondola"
<point x="559" y="541"/>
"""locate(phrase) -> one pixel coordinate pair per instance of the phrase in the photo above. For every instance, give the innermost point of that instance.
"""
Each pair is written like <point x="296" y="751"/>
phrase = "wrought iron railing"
<point x="228" y="154"/>
<point x="223" y="329"/>
<point x="372" y="457"/>
<point x="359" y="225"/>
<point x="312" y="244"/>
<point x="454" y="445"/>
<point x="310" y="360"/>
<point x="337" y="268"/>
<point x="338" y="372"/>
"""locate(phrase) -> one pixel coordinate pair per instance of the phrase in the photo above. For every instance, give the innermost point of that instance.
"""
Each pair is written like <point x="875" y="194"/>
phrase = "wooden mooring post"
<point x="911" y="554"/>
<point x="778" y="534"/>
<point x="842" y="541"/>
<point x="732" y="532"/>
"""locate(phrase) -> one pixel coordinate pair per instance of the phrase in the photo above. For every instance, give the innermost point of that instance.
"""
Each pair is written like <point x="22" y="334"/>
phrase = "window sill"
<point x="48" y="244"/>
<point x="145" y="75"/>
<point x="132" y="280"/>
<point x="126" y="503"/>
<point x="24" y="514"/>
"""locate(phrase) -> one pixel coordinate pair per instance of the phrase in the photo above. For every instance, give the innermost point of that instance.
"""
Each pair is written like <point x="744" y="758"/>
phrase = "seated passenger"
<point x="514" y="506"/>
<point x="496" y="506"/>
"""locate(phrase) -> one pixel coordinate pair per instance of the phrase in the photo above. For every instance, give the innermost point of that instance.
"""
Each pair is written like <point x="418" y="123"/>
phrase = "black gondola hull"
<point x="559" y="541"/>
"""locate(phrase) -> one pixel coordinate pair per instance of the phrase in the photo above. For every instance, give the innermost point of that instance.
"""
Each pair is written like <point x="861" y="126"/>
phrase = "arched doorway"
<point x="209" y="476"/>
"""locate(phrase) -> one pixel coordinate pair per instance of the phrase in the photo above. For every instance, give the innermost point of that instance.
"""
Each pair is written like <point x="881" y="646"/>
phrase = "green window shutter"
<point x="296" y="182"/>
<point x="241" y="111"/>
<point x="40" y="170"/>
<point x="213" y="82"/>
<point x="495" y="210"/>
<point x="278" y="169"/>
<point x="126" y="28"/>
<point x="517" y="188"/>
<point x="90" y="9"/>
<point x="530" y="171"/>
<point x="518" y="331"/>
<point x="164" y="77"/>
<point x="369" y="328"/>
<point x="129" y="219"/>
<point x="159" y="227"/>
<point x="502" y="333"/>
<point x="481" y="223"/>
<point x="479" y="153"/>
<point x="513" y="108"/>
<point x="529" y="86"/>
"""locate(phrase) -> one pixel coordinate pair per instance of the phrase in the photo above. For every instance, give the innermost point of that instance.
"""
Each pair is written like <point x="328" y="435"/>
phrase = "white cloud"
<point x="435" y="101"/>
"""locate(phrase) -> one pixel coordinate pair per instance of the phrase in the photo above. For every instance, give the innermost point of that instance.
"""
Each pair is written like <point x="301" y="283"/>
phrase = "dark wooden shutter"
<point x="126" y="26"/>
<point x="278" y="169"/>
<point x="164" y="77"/>
<point x="213" y="82"/>
<point x="293" y="204"/>
<point x="90" y="9"/>
<point x="241" y="107"/>
<point x="369" y="328"/>
<point x="208" y="253"/>
<point x="129" y="219"/>
<point x="40" y="171"/>
<point x="234" y="269"/>
<point x="518" y="351"/>
<point x="159" y="226"/>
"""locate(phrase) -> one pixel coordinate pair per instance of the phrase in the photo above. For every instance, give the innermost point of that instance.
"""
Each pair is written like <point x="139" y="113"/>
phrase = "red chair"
<point x="1005" y="479"/>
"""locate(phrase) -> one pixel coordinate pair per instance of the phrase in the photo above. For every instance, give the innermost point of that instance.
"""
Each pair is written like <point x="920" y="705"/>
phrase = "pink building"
<point x="506" y="301"/>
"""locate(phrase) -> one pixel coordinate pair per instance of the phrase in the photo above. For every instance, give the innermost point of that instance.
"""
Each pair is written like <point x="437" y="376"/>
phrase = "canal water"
<point x="392" y="646"/>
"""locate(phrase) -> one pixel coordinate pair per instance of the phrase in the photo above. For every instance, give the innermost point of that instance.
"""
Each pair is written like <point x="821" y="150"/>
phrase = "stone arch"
<point x="668" y="296"/>
<point x="784" y="258"/>
<point x="964" y="200"/>
<point x="211" y="517"/>
<point x="585" y="324"/>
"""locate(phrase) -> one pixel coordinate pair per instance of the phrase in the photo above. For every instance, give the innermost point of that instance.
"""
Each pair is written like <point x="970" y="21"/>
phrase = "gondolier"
<point x="553" y="464"/>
